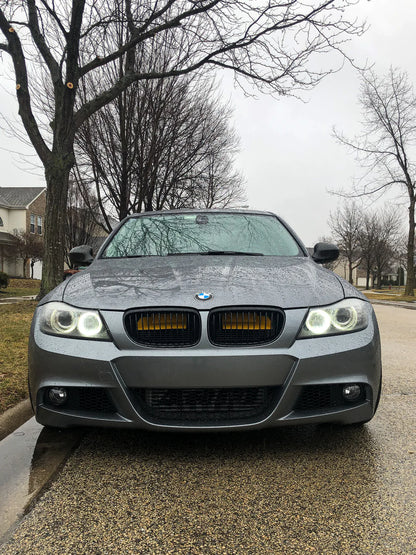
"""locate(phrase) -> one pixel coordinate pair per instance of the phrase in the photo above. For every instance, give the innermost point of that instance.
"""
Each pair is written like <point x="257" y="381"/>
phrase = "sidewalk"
<point x="12" y="300"/>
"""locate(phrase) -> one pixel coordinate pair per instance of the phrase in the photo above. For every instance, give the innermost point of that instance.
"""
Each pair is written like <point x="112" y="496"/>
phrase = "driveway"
<point x="292" y="490"/>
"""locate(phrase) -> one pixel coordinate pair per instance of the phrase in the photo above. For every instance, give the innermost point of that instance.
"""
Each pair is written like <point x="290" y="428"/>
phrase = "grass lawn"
<point x="394" y="294"/>
<point x="15" y="322"/>
<point x="20" y="288"/>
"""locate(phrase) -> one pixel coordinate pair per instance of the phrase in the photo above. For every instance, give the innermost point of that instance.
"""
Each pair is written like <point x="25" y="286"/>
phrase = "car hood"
<point x="119" y="284"/>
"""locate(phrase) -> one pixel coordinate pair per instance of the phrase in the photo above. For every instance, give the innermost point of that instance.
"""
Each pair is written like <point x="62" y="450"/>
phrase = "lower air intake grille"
<point x="95" y="399"/>
<point x="89" y="399"/>
<point x="244" y="326"/>
<point x="206" y="406"/>
<point x="164" y="328"/>
<point x="316" y="397"/>
<point x="321" y="397"/>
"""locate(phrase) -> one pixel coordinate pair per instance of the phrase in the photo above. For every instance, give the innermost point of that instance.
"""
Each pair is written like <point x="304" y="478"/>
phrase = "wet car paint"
<point x="290" y="284"/>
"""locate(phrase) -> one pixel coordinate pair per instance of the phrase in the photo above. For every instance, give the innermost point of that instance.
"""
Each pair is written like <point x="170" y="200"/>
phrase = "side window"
<point x="32" y="223"/>
<point x="1" y="222"/>
<point x="40" y="225"/>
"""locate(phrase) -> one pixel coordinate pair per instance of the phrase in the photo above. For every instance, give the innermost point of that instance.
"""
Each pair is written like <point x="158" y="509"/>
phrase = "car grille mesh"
<point x="244" y="326"/>
<point x="326" y="396"/>
<point x="206" y="405"/>
<point x="316" y="397"/>
<point x="164" y="328"/>
<point x="95" y="399"/>
<point x="89" y="399"/>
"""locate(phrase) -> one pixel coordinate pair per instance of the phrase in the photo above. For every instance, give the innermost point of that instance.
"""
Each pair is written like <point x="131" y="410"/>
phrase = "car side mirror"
<point x="325" y="252"/>
<point x="81" y="256"/>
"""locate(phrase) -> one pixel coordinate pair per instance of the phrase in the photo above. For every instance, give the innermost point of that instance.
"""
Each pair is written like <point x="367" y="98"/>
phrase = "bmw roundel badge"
<point x="203" y="296"/>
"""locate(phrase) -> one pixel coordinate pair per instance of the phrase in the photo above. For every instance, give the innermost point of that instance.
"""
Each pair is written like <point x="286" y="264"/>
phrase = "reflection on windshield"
<point x="201" y="233"/>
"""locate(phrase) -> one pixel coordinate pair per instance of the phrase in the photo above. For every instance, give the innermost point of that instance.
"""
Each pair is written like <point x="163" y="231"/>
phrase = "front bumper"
<point x="287" y="366"/>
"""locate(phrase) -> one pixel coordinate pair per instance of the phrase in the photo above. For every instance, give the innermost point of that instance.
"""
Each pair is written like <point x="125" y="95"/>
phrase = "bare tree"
<point x="81" y="220"/>
<point x="220" y="185"/>
<point x="26" y="246"/>
<point x="367" y="243"/>
<point x="400" y="258"/>
<point x="161" y="144"/>
<point x="386" y="146"/>
<point x="388" y="225"/>
<point x="379" y="238"/>
<point x="60" y="44"/>
<point x="345" y="225"/>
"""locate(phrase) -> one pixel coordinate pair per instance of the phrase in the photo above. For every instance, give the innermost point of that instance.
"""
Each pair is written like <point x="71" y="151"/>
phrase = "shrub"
<point x="4" y="280"/>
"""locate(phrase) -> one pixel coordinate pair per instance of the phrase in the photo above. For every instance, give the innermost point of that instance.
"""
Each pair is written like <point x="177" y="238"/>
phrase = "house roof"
<point x="19" y="197"/>
<point x="6" y="238"/>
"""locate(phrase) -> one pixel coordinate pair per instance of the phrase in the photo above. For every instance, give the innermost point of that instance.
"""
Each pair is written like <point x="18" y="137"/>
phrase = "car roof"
<point x="202" y="211"/>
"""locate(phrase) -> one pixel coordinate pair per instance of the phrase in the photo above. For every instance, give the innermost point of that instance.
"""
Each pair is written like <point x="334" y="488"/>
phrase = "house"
<point x="396" y="275"/>
<point x="341" y="268"/>
<point x="21" y="209"/>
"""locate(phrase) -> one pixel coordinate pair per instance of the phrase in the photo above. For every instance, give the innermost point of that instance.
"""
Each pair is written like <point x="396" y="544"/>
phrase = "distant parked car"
<point x="204" y="320"/>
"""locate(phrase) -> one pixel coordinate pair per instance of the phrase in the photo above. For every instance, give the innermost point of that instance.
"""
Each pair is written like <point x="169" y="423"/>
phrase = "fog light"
<point x="57" y="396"/>
<point x="351" y="392"/>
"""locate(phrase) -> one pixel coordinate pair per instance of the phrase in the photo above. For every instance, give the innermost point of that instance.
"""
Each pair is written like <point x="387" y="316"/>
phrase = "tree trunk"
<point x="350" y="272"/>
<point x="410" y="281"/>
<point x="367" y="281"/>
<point x="57" y="179"/>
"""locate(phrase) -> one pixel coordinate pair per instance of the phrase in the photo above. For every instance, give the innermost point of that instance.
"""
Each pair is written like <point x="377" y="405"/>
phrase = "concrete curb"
<point x="13" y="418"/>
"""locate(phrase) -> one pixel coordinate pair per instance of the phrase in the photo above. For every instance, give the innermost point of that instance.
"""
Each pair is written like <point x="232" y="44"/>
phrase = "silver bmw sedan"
<point x="204" y="320"/>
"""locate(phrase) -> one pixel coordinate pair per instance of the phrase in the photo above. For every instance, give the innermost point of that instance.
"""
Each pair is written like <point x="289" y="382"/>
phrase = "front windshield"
<point x="202" y="233"/>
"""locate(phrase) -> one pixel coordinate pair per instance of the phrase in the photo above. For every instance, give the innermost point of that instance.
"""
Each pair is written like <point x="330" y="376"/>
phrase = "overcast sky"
<point x="288" y="156"/>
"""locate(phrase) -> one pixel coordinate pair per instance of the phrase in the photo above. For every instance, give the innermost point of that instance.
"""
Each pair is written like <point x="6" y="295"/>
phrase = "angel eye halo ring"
<point x="57" y="318"/>
<point x="346" y="316"/>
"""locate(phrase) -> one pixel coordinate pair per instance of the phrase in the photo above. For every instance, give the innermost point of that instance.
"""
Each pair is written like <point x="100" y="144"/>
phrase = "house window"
<point x="32" y="223"/>
<point x="1" y="222"/>
<point x="40" y="225"/>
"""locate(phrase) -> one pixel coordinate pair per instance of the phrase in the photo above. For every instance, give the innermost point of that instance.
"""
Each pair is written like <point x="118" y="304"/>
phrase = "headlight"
<point x="344" y="317"/>
<point x="68" y="321"/>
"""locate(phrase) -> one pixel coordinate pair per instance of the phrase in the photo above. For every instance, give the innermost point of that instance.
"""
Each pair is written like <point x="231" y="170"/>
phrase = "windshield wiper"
<point x="183" y="253"/>
<point x="234" y="253"/>
<point x="237" y="253"/>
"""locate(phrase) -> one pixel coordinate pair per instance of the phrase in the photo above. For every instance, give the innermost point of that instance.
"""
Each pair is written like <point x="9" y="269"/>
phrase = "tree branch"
<point x="22" y="87"/>
<point x="41" y="44"/>
<point x="54" y="15"/>
<point x="73" y="41"/>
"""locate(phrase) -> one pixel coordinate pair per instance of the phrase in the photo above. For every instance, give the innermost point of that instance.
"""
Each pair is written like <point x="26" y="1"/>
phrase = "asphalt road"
<point x="323" y="490"/>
